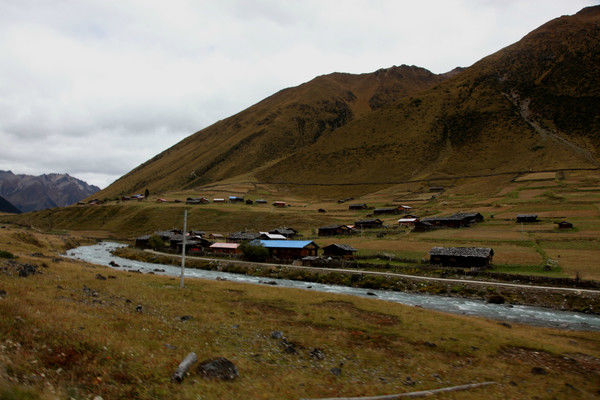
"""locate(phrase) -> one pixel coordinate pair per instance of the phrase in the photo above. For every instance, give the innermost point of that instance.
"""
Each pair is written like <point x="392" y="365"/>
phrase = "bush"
<point x="156" y="243"/>
<point x="6" y="254"/>
<point x="253" y="252"/>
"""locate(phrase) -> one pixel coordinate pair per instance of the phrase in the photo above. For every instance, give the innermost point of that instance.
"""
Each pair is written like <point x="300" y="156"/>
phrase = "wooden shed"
<point x="339" y="250"/>
<point x="527" y="218"/>
<point x="564" y="225"/>
<point x="333" y="230"/>
<point x="461" y="256"/>
<point x="361" y="206"/>
<point x="368" y="223"/>
<point x="225" y="248"/>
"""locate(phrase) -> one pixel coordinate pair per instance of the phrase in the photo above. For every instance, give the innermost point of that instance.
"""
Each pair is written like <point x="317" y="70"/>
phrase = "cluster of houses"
<point x="232" y="199"/>
<point x="280" y="243"/>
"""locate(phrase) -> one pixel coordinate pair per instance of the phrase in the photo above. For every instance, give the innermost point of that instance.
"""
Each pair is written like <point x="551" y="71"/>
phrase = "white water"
<point x="101" y="254"/>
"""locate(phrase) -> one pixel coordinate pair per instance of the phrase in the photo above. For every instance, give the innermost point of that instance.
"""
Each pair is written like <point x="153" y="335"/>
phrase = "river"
<point x="101" y="254"/>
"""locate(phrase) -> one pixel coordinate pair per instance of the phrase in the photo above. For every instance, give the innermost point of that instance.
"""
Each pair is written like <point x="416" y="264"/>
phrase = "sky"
<point x="95" y="88"/>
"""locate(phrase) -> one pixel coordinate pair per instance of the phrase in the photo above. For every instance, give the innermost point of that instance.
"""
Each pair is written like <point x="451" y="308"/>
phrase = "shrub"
<point x="6" y="254"/>
<point x="156" y="243"/>
<point x="254" y="252"/>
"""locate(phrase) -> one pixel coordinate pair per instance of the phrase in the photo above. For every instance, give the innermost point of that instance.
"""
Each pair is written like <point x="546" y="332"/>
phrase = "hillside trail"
<point x="527" y="115"/>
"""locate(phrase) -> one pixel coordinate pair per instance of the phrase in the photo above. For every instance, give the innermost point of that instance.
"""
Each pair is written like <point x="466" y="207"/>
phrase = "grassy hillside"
<point x="77" y="336"/>
<point x="532" y="105"/>
<point x="268" y="131"/>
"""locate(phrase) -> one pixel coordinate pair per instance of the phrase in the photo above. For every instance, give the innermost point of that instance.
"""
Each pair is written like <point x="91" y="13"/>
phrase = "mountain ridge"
<point x="530" y="105"/>
<point x="32" y="193"/>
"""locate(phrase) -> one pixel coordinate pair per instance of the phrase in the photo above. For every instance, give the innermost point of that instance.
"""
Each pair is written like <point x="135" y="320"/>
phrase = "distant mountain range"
<point x="32" y="193"/>
<point x="7" y="207"/>
<point x="532" y="105"/>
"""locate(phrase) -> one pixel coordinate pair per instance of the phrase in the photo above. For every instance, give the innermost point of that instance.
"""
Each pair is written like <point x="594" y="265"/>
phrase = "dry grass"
<point x="99" y="345"/>
<point x="582" y="261"/>
<point x="536" y="176"/>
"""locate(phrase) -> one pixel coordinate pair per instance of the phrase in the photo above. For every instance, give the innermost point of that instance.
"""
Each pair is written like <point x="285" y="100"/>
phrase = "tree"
<point x="254" y="252"/>
<point x="156" y="243"/>
<point x="146" y="193"/>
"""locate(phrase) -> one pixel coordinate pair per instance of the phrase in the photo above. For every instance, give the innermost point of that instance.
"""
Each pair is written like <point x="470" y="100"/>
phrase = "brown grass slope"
<point x="532" y="105"/>
<point x="288" y="120"/>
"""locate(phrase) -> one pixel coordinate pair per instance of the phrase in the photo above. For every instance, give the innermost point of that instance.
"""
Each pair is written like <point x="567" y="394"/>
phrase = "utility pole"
<point x="183" y="248"/>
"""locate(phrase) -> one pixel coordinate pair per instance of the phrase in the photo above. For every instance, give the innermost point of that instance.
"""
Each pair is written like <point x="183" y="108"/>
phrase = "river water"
<point x="101" y="254"/>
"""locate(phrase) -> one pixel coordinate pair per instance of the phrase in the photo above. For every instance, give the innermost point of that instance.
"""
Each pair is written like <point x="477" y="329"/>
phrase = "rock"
<point x="336" y="371"/>
<point x="138" y="308"/>
<point x="268" y="282"/>
<point x="289" y="347"/>
<point x="59" y="287"/>
<point x="538" y="371"/>
<point x="276" y="335"/>
<point x="170" y="346"/>
<point x="98" y="398"/>
<point x="218" y="368"/>
<point x="371" y="294"/>
<point x="27" y="269"/>
<point x="496" y="299"/>
<point x="184" y="318"/>
<point x="2" y="293"/>
<point x="221" y="279"/>
<point x="429" y="344"/>
<point x="100" y="277"/>
<point x="112" y="277"/>
<point x="158" y="270"/>
<point x="317" y="354"/>
<point x="505" y="324"/>
<point x="409" y="381"/>
<point x="113" y="264"/>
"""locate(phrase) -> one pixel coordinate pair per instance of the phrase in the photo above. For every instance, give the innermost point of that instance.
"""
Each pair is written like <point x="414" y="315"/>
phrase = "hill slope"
<point x="32" y="193"/>
<point x="532" y="105"/>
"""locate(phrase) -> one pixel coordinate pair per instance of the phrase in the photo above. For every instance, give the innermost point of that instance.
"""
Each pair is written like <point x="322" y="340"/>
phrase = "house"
<point x="218" y="200"/>
<point x="261" y="201"/>
<point x="196" y="245"/>
<point x="362" y="206"/>
<point x="564" y="225"/>
<point x="333" y="230"/>
<point x="216" y="236"/>
<point x="280" y="204"/>
<point x="407" y="221"/>
<point x="236" y="199"/>
<point x="406" y="208"/>
<point x="527" y="218"/>
<point x="457" y="220"/>
<point x="225" y="248"/>
<point x="249" y="202"/>
<point x="288" y="249"/>
<point x="420" y="226"/>
<point x="271" y="236"/>
<point x="339" y="250"/>
<point x="197" y="200"/>
<point x="239" y="237"/>
<point x="386" y="210"/>
<point x="142" y="242"/>
<point x="461" y="256"/>
<point x="285" y="231"/>
<point x="368" y="223"/>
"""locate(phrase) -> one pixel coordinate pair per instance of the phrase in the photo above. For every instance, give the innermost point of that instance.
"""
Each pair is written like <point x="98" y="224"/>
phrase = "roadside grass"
<point x="60" y="340"/>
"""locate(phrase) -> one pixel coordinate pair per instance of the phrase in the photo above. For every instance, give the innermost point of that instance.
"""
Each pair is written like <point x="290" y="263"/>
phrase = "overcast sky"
<point x="94" y="88"/>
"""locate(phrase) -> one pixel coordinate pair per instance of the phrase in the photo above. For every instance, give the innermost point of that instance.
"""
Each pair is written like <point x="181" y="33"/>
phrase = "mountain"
<point x="31" y="193"/>
<point x="7" y="207"/>
<point x="532" y="105"/>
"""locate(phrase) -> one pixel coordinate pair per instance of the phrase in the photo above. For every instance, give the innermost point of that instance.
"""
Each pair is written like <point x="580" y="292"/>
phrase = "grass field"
<point x="62" y="340"/>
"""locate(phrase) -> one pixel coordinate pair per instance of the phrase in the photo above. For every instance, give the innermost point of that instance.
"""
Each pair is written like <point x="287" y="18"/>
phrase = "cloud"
<point x="95" y="88"/>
